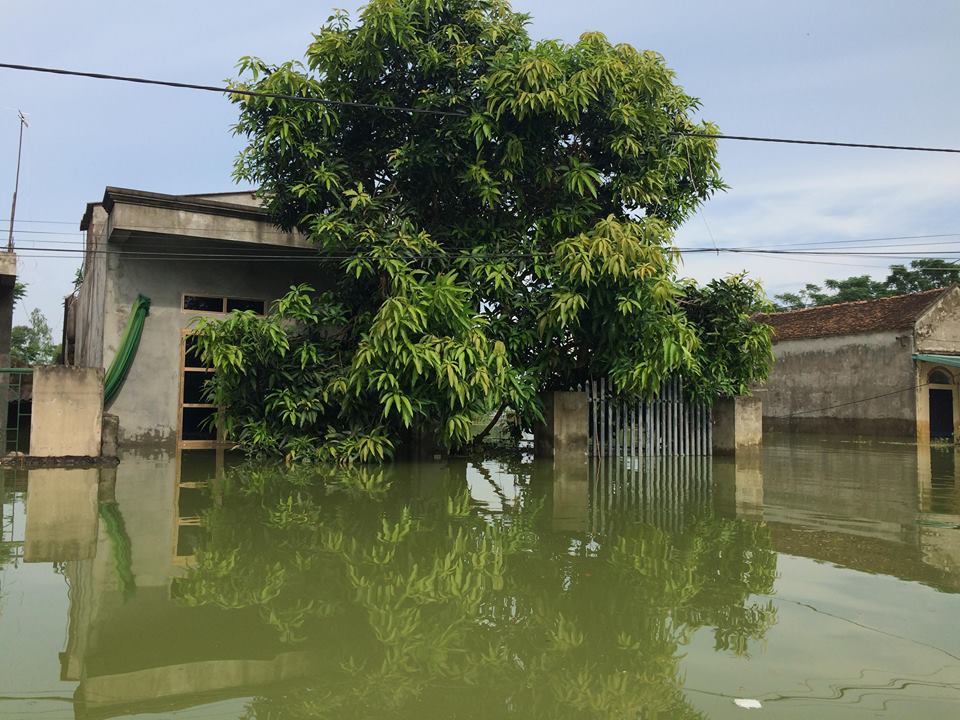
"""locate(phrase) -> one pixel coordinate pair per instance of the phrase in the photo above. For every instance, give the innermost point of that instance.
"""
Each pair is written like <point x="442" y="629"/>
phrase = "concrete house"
<point x="188" y="256"/>
<point x="883" y="368"/>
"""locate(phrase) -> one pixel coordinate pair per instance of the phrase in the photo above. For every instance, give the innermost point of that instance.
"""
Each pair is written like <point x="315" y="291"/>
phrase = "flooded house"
<point x="880" y="368"/>
<point x="154" y="263"/>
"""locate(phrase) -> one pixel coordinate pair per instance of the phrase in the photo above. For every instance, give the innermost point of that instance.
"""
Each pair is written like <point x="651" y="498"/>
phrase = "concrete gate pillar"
<point x="737" y="425"/>
<point x="563" y="432"/>
<point x="67" y="414"/>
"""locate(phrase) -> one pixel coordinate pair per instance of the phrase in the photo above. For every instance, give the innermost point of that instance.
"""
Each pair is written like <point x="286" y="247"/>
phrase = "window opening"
<point x="219" y="305"/>
<point x="258" y="306"/>
<point x="201" y="303"/>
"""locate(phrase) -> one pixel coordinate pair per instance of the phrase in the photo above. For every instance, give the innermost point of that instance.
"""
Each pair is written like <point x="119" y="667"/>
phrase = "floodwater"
<point x="819" y="579"/>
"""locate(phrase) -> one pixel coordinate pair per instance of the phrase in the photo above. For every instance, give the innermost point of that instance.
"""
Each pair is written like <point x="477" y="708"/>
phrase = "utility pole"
<point x="16" y="184"/>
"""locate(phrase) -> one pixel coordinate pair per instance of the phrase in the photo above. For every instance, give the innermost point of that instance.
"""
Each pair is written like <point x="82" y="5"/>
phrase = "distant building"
<point x="191" y="255"/>
<point x="882" y="368"/>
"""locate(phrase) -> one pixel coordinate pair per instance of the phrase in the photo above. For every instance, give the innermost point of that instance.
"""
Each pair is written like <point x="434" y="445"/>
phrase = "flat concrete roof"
<point x="235" y="217"/>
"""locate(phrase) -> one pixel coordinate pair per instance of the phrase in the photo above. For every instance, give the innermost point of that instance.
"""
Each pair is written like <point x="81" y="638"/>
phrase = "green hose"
<point x="128" y="348"/>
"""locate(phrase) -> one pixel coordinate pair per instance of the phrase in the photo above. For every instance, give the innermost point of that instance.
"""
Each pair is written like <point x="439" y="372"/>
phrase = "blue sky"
<point x="861" y="70"/>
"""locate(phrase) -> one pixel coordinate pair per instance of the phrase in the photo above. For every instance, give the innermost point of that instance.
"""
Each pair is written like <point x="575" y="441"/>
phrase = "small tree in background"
<point x="33" y="344"/>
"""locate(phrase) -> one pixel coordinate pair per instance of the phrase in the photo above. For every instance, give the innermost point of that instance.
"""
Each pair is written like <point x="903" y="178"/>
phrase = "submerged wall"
<point x="857" y="384"/>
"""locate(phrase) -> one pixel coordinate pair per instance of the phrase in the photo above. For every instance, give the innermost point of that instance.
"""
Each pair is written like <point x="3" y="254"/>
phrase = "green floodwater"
<point x="820" y="578"/>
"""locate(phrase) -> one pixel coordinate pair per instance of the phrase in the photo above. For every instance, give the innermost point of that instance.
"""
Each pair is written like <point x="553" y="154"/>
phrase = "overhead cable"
<point x="434" y="111"/>
<point x="228" y="90"/>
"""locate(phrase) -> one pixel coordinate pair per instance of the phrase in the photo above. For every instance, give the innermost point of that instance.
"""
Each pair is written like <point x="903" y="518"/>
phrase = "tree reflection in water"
<point x="419" y="608"/>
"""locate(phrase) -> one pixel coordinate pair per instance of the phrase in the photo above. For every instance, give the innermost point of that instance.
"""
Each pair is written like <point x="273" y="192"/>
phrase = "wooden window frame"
<point x="219" y="441"/>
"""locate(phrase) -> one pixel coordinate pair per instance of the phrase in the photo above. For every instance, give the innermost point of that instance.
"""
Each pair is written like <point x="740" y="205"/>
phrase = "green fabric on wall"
<point x="128" y="348"/>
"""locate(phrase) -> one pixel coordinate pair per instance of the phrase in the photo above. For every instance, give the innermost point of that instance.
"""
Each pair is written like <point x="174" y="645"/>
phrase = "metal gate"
<point x="16" y="391"/>
<point x="666" y="425"/>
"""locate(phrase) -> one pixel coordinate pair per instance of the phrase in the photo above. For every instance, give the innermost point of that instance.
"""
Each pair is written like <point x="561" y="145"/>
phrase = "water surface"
<point x="819" y="578"/>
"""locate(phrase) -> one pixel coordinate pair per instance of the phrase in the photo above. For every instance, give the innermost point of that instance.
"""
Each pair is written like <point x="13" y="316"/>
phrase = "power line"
<point x="788" y="245"/>
<point x="432" y="111"/>
<point x="826" y="143"/>
<point x="307" y="254"/>
<point x="820" y="243"/>
<point x="229" y="91"/>
<point x="44" y="222"/>
<point x="857" y="402"/>
<point x="823" y="262"/>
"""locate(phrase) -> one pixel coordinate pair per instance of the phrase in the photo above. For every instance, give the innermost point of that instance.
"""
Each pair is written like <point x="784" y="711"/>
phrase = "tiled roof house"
<point x="886" y="367"/>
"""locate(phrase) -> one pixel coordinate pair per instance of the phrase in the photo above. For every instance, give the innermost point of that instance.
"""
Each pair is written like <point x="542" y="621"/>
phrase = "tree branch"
<point x="478" y="438"/>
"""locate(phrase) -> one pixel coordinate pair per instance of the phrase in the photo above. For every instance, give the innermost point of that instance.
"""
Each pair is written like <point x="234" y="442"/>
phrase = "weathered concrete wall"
<point x="737" y="424"/>
<point x="88" y="347"/>
<point x="67" y="413"/>
<point x="61" y="515"/>
<point x="148" y="401"/>
<point x="564" y="429"/>
<point x="844" y="374"/>
<point x="938" y="330"/>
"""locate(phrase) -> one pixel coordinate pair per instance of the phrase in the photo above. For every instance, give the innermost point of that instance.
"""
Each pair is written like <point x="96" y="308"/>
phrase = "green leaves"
<point x="467" y="261"/>
<point x="580" y="178"/>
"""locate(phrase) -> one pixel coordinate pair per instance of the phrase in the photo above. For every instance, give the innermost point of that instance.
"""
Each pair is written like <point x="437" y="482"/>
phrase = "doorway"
<point x="941" y="413"/>
<point x="941" y="387"/>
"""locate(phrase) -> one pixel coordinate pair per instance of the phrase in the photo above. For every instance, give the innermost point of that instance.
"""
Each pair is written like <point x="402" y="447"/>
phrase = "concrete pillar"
<point x="563" y="432"/>
<point x="737" y="424"/>
<point x="67" y="415"/>
<point x="61" y="515"/>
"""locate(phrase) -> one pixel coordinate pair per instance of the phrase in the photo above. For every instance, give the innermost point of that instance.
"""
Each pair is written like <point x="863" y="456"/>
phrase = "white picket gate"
<point x="668" y="425"/>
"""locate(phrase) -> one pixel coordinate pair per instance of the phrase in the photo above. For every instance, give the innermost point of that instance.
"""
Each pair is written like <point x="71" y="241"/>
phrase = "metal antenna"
<point x="16" y="184"/>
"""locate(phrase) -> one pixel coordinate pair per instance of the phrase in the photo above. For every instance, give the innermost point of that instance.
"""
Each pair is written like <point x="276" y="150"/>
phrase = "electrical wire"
<point x="838" y="244"/>
<point x="310" y="254"/>
<point x="826" y="143"/>
<point x="433" y="111"/>
<point x="855" y="402"/>
<point x="229" y="91"/>
<point x="825" y="243"/>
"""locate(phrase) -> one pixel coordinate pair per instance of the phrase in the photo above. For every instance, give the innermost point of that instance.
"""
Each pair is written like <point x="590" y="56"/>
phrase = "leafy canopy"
<point x="520" y="242"/>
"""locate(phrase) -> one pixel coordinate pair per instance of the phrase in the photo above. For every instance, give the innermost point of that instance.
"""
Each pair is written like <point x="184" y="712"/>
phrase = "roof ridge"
<point x="943" y="289"/>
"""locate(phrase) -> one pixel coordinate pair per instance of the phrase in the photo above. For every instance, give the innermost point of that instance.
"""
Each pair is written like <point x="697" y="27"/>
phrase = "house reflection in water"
<point x="131" y="647"/>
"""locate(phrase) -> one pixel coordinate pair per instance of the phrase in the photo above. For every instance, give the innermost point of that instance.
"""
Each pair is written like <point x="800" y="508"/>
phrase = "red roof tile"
<point x="852" y="318"/>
